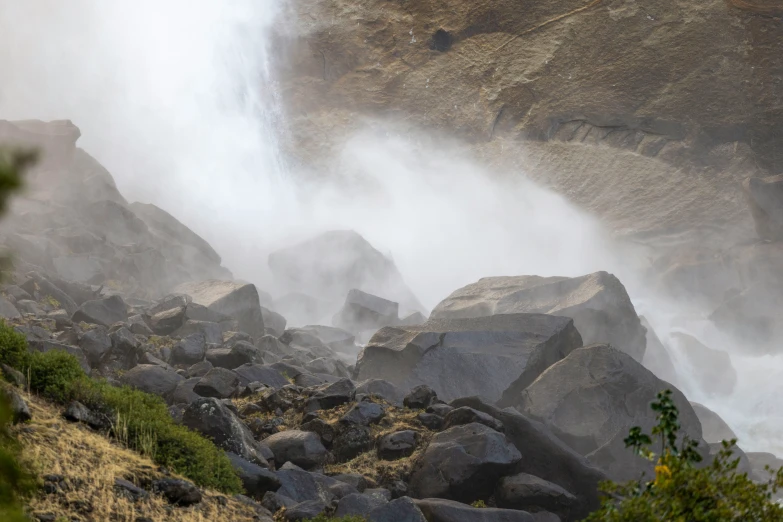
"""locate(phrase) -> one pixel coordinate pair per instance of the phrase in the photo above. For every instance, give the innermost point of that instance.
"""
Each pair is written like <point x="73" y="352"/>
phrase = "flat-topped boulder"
<point x="473" y="356"/>
<point x="598" y="303"/>
<point x="362" y="311"/>
<point x="237" y="300"/>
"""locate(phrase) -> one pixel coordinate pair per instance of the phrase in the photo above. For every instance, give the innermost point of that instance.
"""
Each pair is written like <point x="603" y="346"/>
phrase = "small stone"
<point x="420" y="397"/>
<point x="397" y="445"/>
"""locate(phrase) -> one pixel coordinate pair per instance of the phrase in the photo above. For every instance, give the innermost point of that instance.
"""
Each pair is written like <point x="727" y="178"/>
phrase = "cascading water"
<point x="177" y="100"/>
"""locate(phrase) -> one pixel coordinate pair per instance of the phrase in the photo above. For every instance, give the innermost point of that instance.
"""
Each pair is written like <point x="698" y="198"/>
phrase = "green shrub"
<point x="16" y="482"/>
<point x="13" y="348"/>
<point x="683" y="491"/>
<point x="142" y="422"/>
<point x="52" y="373"/>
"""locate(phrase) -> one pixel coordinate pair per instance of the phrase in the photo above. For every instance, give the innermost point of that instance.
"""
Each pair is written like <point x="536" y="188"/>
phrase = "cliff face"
<point x="690" y="92"/>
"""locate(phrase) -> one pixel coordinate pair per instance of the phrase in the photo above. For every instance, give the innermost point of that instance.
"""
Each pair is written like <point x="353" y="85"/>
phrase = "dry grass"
<point x="92" y="462"/>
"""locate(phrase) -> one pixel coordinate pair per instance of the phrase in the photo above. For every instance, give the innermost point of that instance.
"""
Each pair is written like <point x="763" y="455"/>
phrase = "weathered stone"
<point x="430" y="421"/>
<point x="184" y="393"/>
<point x="249" y="373"/>
<point x="219" y="383"/>
<point x="152" y="379"/>
<point x="236" y="300"/>
<point x="592" y="398"/>
<point x="300" y="447"/>
<point x="190" y="350"/>
<point x="301" y="486"/>
<point x="463" y="463"/>
<point x="466" y="415"/>
<point x="103" y="312"/>
<point x="357" y="504"/>
<point x="213" y="333"/>
<point x="305" y="510"/>
<point x="7" y="309"/>
<point x="78" y="412"/>
<point x="255" y="479"/>
<point x="397" y="445"/>
<point x="168" y="321"/>
<point x="530" y="493"/>
<point x="440" y="510"/>
<point x="399" y="510"/>
<point x="362" y="311"/>
<point x="138" y="325"/>
<point x="199" y="369"/>
<point x="178" y="492"/>
<point x="440" y="409"/>
<point x="20" y="412"/>
<point x="96" y="344"/>
<point x="274" y="323"/>
<point x="331" y="395"/>
<point x="351" y="441"/>
<point x="234" y="355"/>
<point x="420" y="397"/>
<point x="46" y="346"/>
<point x="214" y="420"/>
<point x="364" y="413"/>
<point x="598" y="304"/>
<point x="464" y="357"/>
<point x="129" y="490"/>
<point x="381" y="389"/>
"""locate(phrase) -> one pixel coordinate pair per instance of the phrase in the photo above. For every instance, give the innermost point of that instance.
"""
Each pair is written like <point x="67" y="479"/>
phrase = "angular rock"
<point x="466" y="415"/>
<point x="440" y="510"/>
<point x="200" y="369"/>
<point x="765" y="199"/>
<point x="103" y="312"/>
<point x="430" y="421"/>
<point x="400" y="510"/>
<point x="138" y="325"/>
<point x="42" y="287"/>
<point x="598" y="303"/>
<point x="213" y="333"/>
<point x="234" y="356"/>
<point x="273" y="322"/>
<point x="529" y="493"/>
<point x="440" y="409"/>
<point x="78" y="412"/>
<point x="592" y="398"/>
<point x="546" y="456"/>
<point x="357" y="504"/>
<point x="323" y="429"/>
<point x="190" y="350"/>
<point x="255" y="479"/>
<point x="305" y="510"/>
<point x="249" y="373"/>
<point x="184" y="393"/>
<point x="336" y="262"/>
<point x="331" y="395"/>
<point x="382" y="390"/>
<point x="46" y="346"/>
<point x="362" y="311"/>
<point x="95" y="343"/>
<point x="299" y="447"/>
<point x="420" y="397"/>
<point x="465" y="357"/>
<point x="711" y="368"/>
<point x="152" y="379"/>
<point x="178" y="492"/>
<point x="236" y="300"/>
<point x="168" y="321"/>
<point x="214" y="420"/>
<point x="7" y="309"/>
<point x="336" y="339"/>
<point x="463" y="463"/>
<point x="219" y="383"/>
<point x="129" y="490"/>
<point x="397" y="445"/>
<point x="13" y="376"/>
<point x="714" y="429"/>
<point x="301" y="486"/>
<point x="351" y="441"/>
<point x="364" y="413"/>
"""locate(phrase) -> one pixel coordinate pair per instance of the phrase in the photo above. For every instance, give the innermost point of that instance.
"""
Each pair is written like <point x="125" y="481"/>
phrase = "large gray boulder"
<point x="240" y="301"/>
<point x="546" y="456"/>
<point x="463" y="463"/>
<point x="592" y="398"/>
<point x="531" y="493"/>
<point x="362" y="311"/>
<point x="214" y="420"/>
<point x="440" y="510"/>
<point x="598" y="304"/>
<point x="464" y="357"/>
<point x="103" y="312"/>
<point x="302" y="448"/>
<point x="152" y="378"/>
<point x="338" y="261"/>
<point x="7" y="309"/>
